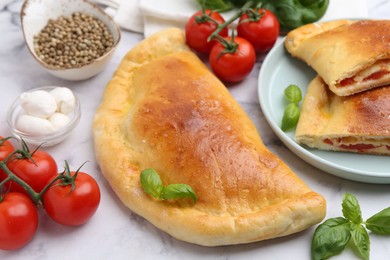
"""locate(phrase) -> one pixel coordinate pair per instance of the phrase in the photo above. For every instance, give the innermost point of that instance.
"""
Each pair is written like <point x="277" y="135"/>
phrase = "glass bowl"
<point x="46" y="139"/>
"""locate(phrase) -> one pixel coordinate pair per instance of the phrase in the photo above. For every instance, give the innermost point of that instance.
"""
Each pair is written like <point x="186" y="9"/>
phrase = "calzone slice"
<point x="164" y="109"/>
<point x="359" y="123"/>
<point x="350" y="56"/>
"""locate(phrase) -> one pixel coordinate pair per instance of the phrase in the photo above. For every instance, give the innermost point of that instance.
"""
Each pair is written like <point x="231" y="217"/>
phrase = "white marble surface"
<point x="115" y="232"/>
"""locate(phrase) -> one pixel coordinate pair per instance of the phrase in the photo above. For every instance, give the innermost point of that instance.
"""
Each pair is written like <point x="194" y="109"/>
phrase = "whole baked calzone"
<point x="164" y="109"/>
<point x="350" y="56"/>
<point x="359" y="123"/>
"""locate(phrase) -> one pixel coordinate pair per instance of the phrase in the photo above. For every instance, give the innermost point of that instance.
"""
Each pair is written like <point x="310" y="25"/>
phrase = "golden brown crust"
<point x="362" y="118"/>
<point x="340" y="52"/>
<point x="296" y="37"/>
<point x="169" y="112"/>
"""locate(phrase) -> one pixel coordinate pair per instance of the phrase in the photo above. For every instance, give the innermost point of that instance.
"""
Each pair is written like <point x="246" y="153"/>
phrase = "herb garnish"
<point x="152" y="184"/>
<point x="332" y="236"/>
<point x="293" y="95"/>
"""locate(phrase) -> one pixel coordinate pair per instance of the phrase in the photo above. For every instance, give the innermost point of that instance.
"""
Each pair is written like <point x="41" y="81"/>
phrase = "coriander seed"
<point x="74" y="41"/>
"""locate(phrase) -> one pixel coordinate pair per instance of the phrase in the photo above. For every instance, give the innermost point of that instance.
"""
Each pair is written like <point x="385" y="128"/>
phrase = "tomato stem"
<point x="25" y="152"/>
<point x="5" y="180"/>
<point x="11" y="176"/>
<point x="2" y="140"/>
<point x="222" y="26"/>
<point x="60" y="176"/>
<point x="253" y="14"/>
<point x="203" y="18"/>
<point x="68" y="179"/>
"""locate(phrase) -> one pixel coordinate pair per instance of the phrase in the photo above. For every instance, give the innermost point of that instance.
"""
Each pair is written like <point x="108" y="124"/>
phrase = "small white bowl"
<point x="35" y="15"/>
<point x="48" y="139"/>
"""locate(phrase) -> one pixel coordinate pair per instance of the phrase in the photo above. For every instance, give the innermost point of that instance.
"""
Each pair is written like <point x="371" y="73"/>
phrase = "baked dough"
<point x="359" y="123"/>
<point x="164" y="109"/>
<point x="350" y="56"/>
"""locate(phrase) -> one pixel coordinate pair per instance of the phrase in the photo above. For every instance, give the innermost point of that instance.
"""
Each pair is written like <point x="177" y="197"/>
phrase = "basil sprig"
<point x="293" y="95"/>
<point x="152" y="185"/>
<point x="331" y="237"/>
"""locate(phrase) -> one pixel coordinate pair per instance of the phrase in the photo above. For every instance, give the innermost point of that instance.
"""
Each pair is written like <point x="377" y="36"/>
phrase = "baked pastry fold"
<point x="164" y="109"/>
<point x="359" y="123"/>
<point x="350" y="56"/>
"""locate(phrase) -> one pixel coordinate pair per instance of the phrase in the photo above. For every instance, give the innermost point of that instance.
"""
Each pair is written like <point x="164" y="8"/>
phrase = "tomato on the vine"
<point x="199" y="27"/>
<point x="18" y="220"/>
<point x="35" y="171"/>
<point x="6" y="148"/>
<point x="261" y="28"/>
<point x="234" y="62"/>
<point x="72" y="206"/>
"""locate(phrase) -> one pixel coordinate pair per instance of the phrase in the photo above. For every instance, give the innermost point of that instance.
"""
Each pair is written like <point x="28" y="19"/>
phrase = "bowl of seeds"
<point x="71" y="39"/>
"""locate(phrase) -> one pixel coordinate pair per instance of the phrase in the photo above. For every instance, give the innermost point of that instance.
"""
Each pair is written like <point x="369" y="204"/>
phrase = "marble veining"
<point x="117" y="233"/>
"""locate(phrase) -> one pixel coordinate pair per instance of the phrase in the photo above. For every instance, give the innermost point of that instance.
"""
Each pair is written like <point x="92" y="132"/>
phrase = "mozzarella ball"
<point x="34" y="125"/>
<point x="64" y="98"/>
<point x="38" y="103"/>
<point x="59" y="120"/>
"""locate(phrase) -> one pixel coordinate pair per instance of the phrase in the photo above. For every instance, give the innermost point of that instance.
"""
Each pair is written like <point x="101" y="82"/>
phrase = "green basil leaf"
<point x="380" y="222"/>
<point x="151" y="182"/>
<point x="290" y="117"/>
<point x="293" y="94"/>
<point x="330" y="238"/>
<point x="218" y="5"/>
<point x="361" y="241"/>
<point x="178" y="191"/>
<point x="351" y="208"/>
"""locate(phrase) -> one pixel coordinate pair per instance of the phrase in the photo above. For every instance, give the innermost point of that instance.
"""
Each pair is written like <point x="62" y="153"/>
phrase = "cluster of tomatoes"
<point x="30" y="180"/>
<point x="232" y="58"/>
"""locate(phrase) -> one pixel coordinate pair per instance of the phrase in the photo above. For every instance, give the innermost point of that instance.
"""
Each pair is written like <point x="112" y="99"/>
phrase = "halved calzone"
<point x="164" y="109"/>
<point x="359" y="123"/>
<point x="350" y="56"/>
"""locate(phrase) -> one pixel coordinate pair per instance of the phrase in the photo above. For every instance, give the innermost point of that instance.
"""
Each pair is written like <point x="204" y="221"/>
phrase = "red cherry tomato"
<point x="6" y="148"/>
<point x="36" y="171"/>
<point x="72" y="207"/>
<point x="18" y="221"/>
<point x="232" y="67"/>
<point x="262" y="33"/>
<point x="198" y="32"/>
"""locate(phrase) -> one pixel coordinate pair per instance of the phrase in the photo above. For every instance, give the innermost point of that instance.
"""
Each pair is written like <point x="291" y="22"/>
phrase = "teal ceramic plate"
<point x="278" y="71"/>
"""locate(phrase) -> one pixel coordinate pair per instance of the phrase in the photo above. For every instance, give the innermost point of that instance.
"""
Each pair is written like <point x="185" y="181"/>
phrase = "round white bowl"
<point x="35" y="15"/>
<point x="48" y="139"/>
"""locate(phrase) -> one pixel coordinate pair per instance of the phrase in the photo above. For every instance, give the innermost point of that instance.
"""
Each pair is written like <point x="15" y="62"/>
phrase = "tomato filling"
<point x="373" y="76"/>
<point x="346" y="82"/>
<point x="358" y="147"/>
<point x="376" y="75"/>
<point x="328" y="141"/>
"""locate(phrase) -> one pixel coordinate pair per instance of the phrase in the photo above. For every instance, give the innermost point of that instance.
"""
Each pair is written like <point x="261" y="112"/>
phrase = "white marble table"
<point x="115" y="232"/>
